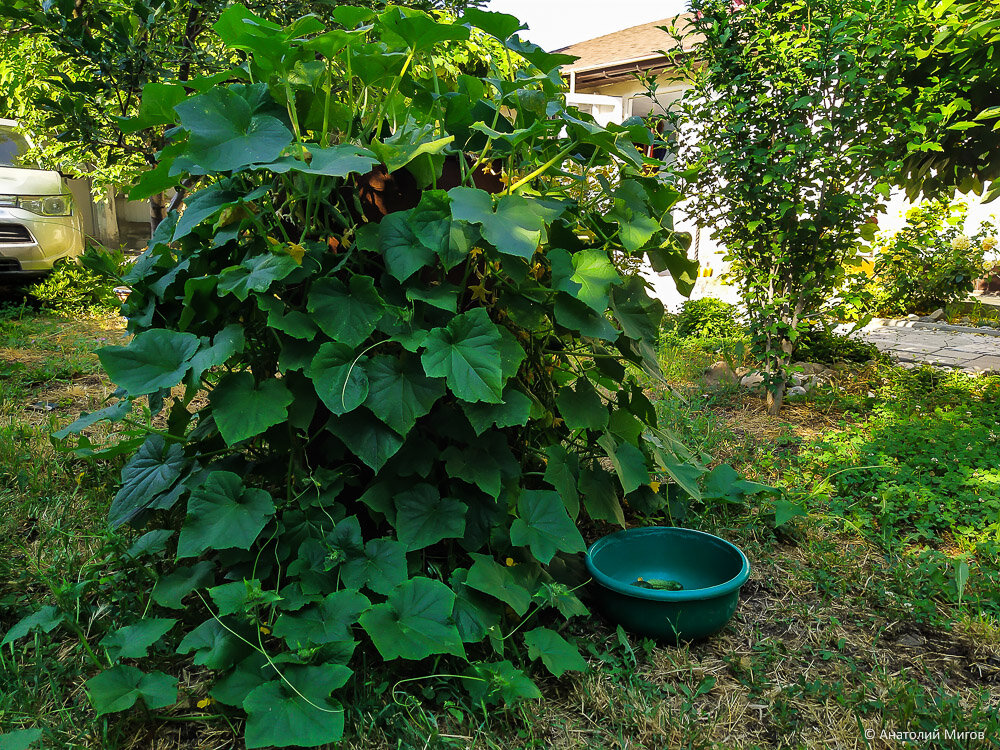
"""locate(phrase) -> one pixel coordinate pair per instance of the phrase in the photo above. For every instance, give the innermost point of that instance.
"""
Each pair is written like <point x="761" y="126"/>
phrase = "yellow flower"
<point x="265" y="630"/>
<point x="479" y="292"/>
<point x="654" y="486"/>
<point x="205" y="702"/>
<point x="297" y="252"/>
<point x="510" y="562"/>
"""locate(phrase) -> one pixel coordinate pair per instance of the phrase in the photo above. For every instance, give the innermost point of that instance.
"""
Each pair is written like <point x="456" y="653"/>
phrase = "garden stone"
<point x="720" y="374"/>
<point x="796" y="390"/>
<point x="810" y="368"/>
<point x="752" y="381"/>
<point x="936" y="315"/>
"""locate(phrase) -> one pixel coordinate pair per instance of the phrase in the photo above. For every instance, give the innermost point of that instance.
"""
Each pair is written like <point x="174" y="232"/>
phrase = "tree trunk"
<point x="775" y="398"/>
<point x="157" y="211"/>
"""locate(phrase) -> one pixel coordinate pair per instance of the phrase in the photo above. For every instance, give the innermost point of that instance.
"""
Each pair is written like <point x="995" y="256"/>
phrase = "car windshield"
<point x="13" y="147"/>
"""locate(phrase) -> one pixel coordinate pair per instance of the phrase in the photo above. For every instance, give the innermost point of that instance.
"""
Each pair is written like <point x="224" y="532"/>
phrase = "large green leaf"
<point x="581" y="407"/>
<point x="423" y="517"/>
<point x="338" y="160"/>
<point x="627" y="460"/>
<point x="369" y="438"/>
<point x="418" y="30"/>
<point x="430" y="222"/>
<point x="635" y="225"/>
<point x="403" y="251"/>
<point x="515" y="228"/>
<point x="256" y="274"/>
<point x="153" y="360"/>
<point x="588" y="275"/>
<point x="381" y="567"/>
<point x="513" y="411"/>
<point x="544" y="526"/>
<point x="486" y="463"/>
<point x="300" y="714"/>
<point x="214" y="645"/>
<point x="475" y="614"/>
<point x="149" y="475"/>
<point x="500" y="682"/>
<point x="339" y="377"/>
<point x="573" y="314"/>
<point x="557" y="654"/>
<point x="229" y="130"/>
<point x="203" y="204"/>
<point x="346" y="314"/>
<point x="724" y="483"/>
<point x="400" y="392"/>
<point x="223" y="514"/>
<point x="488" y="576"/>
<point x="397" y="154"/>
<point x="45" y="619"/>
<point x="597" y="489"/>
<point x="244" y="410"/>
<point x="118" y="688"/>
<point x="466" y="352"/>
<point x="500" y="25"/>
<point x="327" y="622"/>
<point x="19" y="739"/>
<point x="250" y="673"/>
<point x="133" y="641"/>
<point x="170" y="590"/>
<point x="415" y="622"/>
<point x="562" y="471"/>
<point x="241" y="596"/>
<point x="637" y="313"/>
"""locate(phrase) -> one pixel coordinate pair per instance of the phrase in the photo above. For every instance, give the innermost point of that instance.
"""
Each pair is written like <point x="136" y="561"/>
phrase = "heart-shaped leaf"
<point x="118" y="688"/>
<point x="415" y="622"/>
<point x="544" y="526"/>
<point x="466" y="352"/>
<point x="347" y="314"/>
<point x="223" y="514"/>
<point x="134" y="641"/>
<point x="153" y="360"/>
<point x="557" y="654"/>
<point x="243" y="410"/>
<point x="423" y="517"/>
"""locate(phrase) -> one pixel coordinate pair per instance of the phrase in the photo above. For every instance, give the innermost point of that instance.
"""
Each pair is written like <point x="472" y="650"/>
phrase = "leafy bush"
<point x="925" y="265"/>
<point x="709" y="317"/>
<point x="413" y="342"/>
<point x="818" y="344"/>
<point x="74" y="287"/>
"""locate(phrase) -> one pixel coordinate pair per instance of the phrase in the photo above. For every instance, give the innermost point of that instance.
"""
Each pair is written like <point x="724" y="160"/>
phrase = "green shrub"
<point x="818" y="344"/>
<point x="708" y="318"/>
<point x="74" y="287"/>
<point x="927" y="264"/>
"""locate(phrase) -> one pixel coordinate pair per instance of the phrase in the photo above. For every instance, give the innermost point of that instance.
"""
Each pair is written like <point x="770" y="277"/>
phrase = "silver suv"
<point x="38" y="222"/>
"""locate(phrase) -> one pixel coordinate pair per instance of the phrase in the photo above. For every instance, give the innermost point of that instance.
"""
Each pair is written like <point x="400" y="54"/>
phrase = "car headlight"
<point x="46" y="205"/>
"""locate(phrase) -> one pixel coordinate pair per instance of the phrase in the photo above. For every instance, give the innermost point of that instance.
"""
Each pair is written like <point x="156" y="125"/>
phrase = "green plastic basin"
<point x="710" y="569"/>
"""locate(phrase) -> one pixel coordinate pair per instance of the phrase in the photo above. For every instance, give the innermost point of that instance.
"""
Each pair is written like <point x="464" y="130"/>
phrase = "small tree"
<point x="787" y="150"/>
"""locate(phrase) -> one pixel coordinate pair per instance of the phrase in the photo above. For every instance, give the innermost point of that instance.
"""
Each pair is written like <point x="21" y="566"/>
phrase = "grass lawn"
<point x="877" y="612"/>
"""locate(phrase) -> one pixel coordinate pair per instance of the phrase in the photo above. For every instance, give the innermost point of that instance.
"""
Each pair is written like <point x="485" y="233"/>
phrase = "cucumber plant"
<point x="387" y="348"/>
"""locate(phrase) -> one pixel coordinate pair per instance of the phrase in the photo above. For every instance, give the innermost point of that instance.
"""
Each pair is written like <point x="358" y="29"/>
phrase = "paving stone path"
<point x="968" y="351"/>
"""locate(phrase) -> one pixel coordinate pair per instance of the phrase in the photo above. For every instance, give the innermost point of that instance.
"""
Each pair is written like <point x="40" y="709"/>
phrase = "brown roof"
<point x="636" y="47"/>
